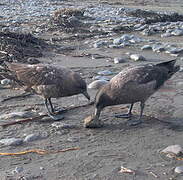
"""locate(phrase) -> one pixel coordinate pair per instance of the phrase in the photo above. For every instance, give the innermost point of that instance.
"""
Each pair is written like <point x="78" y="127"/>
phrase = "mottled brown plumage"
<point x="48" y="81"/>
<point x="131" y="85"/>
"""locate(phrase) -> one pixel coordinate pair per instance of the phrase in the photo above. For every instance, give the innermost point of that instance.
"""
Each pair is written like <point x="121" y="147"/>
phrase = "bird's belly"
<point x="133" y="96"/>
<point x="48" y="91"/>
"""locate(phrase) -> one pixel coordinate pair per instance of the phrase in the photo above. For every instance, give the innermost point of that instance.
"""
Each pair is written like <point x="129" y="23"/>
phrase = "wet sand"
<point x="102" y="151"/>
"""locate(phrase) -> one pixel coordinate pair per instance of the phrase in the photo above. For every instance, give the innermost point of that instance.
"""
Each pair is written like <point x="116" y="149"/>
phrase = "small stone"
<point x="118" y="60"/>
<point x="105" y="73"/>
<point x="179" y="170"/>
<point x="97" y="84"/>
<point x="17" y="170"/>
<point x="73" y="139"/>
<point x="166" y="35"/>
<point x="5" y="81"/>
<point x="101" y="78"/>
<point x="117" y="41"/>
<point x="33" y="60"/>
<point x="60" y="125"/>
<point x="137" y="57"/>
<point x="126" y="37"/>
<point x="145" y="47"/>
<point x="158" y="48"/>
<point x="100" y="43"/>
<point x="174" y="50"/>
<point x="116" y="46"/>
<point x="177" y="32"/>
<point x="41" y="168"/>
<point x="11" y="141"/>
<point x="32" y="137"/>
<point x="175" y="149"/>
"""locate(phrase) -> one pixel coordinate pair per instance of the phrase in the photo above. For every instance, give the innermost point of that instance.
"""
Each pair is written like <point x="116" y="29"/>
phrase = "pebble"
<point x="174" y="50"/>
<point x="137" y="57"/>
<point x="146" y="47"/>
<point x="117" y="41"/>
<point x="11" y="141"/>
<point x="118" y="60"/>
<point x="177" y="32"/>
<point x="32" y="137"/>
<point x="100" y="43"/>
<point x="166" y="35"/>
<point x="158" y="48"/>
<point x="61" y="125"/>
<point x="33" y="60"/>
<point x="5" y="81"/>
<point x="73" y="139"/>
<point x="97" y="84"/>
<point x="17" y="170"/>
<point x="179" y="170"/>
<point x="175" y="149"/>
<point x="105" y="73"/>
<point x="101" y="78"/>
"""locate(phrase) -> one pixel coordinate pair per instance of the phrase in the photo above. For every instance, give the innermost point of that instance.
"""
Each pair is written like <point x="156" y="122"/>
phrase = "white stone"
<point x="97" y="84"/>
<point x="105" y="73"/>
<point x="166" y="35"/>
<point x="179" y="169"/>
<point x="117" y="41"/>
<point x="100" y="43"/>
<point x="73" y="139"/>
<point x="118" y="60"/>
<point x="11" y="141"/>
<point x="32" y="137"/>
<point x="177" y="32"/>
<point x="101" y="78"/>
<point x="17" y="170"/>
<point x="175" y="149"/>
<point x="137" y="57"/>
<point x="146" y="47"/>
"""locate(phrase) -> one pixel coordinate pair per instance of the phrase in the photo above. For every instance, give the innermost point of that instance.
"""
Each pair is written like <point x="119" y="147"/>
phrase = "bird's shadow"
<point x="148" y="121"/>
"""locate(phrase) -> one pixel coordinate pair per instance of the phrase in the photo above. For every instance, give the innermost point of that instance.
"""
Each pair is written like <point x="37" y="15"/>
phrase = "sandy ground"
<point x="102" y="151"/>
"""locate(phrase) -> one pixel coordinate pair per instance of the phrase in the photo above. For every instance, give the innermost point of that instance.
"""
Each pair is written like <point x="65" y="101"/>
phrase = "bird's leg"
<point x="46" y="105"/>
<point x="135" y="122"/>
<point x="128" y="115"/>
<point x="58" y="110"/>
<point x="51" y="113"/>
<point x="51" y="105"/>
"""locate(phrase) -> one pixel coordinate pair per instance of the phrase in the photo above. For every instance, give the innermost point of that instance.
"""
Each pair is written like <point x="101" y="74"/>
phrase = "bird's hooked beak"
<point x="85" y="93"/>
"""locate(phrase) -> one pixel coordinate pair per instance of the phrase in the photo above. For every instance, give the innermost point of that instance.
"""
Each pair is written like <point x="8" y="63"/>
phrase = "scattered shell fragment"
<point x="126" y="170"/>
